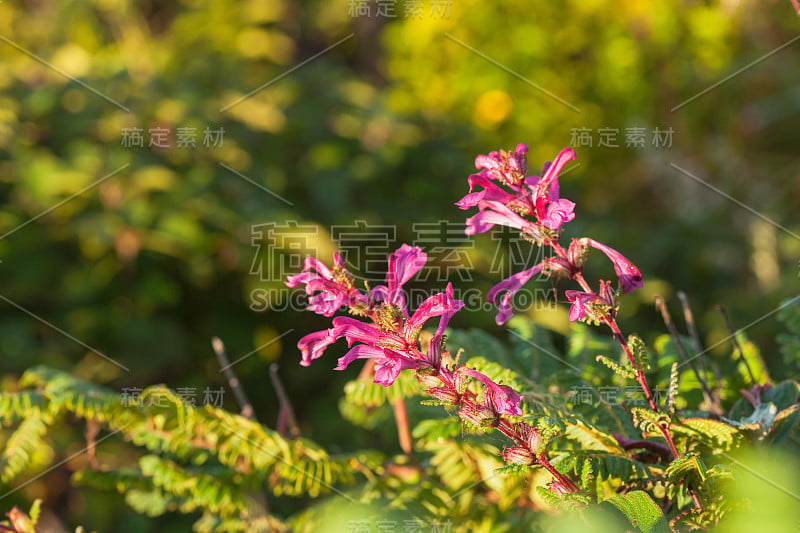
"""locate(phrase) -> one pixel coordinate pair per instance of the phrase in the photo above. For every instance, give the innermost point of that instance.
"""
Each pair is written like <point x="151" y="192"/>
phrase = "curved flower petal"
<point x="490" y="192"/>
<point x="294" y="280"/>
<point x="501" y="398"/>
<point x="389" y="367"/>
<point x="489" y="162"/>
<point x="629" y="276"/>
<point x="403" y="264"/>
<point x="313" y="345"/>
<point x="437" y="305"/>
<point x="557" y="213"/>
<point x="325" y="303"/>
<point x="445" y="319"/>
<point x="359" y="351"/>
<point x="509" y="288"/>
<point x="579" y="301"/>
<point x="354" y="331"/>
<point x="551" y="170"/>
<point x="495" y="213"/>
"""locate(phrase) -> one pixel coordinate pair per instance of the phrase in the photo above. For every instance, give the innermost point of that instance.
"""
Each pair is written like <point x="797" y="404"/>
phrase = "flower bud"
<point x="576" y="254"/>
<point x="427" y="379"/>
<point x="555" y="267"/>
<point x="518" y="455"/>
<point x="460" y="381"/>
<point x="534" y="439"/>
<point x="448" y="396"/>
<point x="476" y="414"/>
<point x="435" y="348"/>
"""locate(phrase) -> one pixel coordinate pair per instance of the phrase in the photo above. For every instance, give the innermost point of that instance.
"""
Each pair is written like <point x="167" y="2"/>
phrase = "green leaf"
<point x="642" y="512"/>
<point x="591" y="438"/>
<point x="783" y="395"/>
<point x="783" y="424"/>
<point x="624" y="371"/>
<point x="673" y="389"/>
<point x="713" y="433"/>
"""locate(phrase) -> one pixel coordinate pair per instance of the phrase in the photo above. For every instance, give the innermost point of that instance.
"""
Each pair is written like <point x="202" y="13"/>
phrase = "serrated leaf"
<point x="642" y="512"/>
<point x="624" y="371"/>
<point x="713" y="433"/>
<point x="684" y="466"/>
<point x="591" y="438"/>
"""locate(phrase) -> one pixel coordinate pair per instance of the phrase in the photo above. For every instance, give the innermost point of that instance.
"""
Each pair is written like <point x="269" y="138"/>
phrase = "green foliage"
<point x="21" y="448"/>
<point x="202" y="459"/>
<point x="672" y="391"/>
<point x="642" y="512"/>
<point x="147" y="263"/>
<point x="229" y="472"/>
<point x="713" y="434"/>
<point x="624" y="371"/>
<point x="641" y="356"/>
<point x="776" y="415"/>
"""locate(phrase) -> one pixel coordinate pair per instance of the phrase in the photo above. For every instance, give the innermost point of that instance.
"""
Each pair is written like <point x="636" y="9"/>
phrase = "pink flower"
<point x="393" y="347"/>
<point x="492" y="213"/>
<point x="440" y="304"/>
<point x="629" y="276"/>
<point x="327" y="291"/>
<point x="579" y="301"/>
<point x="508" y="288"/>
<point x="582" y="302"/>
<point x="530" y="194"/>
<point x="455" y="306"/>
<point x="505" y="167"/>
<point x="491" y="192"/>
<point x="355" y="331"/>
<point x="389" y="367"/>
<point x="313" y="345"/>
<point x="501" y="398"/>
<point x="550" y="210"/>
<point x="403" y="264"/>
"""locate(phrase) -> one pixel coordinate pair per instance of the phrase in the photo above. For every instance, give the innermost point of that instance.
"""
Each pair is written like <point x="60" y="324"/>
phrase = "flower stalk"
<point x="386" y="334"/>
<point x="537" y="197"/>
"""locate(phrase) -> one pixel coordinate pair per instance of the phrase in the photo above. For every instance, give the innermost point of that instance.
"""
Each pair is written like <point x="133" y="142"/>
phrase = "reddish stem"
<point x="403" y="430"/>
<point x="640" y="377"/>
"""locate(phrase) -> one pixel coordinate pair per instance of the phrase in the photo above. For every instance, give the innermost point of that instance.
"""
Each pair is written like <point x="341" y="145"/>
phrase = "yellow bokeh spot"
<point x="73" y="59"/>
<point x="257" y="114"/>
<point x="256" y="43"/>
<point x="492" y="108"/>
<point x="267" y="343"/>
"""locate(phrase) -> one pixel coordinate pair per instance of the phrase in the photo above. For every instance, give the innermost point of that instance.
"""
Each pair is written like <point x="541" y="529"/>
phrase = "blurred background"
<point x="164" y="165"/>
